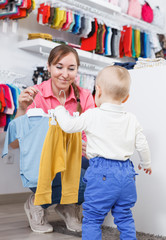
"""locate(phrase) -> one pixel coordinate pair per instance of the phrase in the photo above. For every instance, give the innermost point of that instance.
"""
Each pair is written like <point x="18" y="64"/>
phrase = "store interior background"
<point x="147" y="101"/>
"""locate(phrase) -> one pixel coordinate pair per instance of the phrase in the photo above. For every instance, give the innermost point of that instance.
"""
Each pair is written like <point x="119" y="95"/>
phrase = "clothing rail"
<point x="10" y="77"/>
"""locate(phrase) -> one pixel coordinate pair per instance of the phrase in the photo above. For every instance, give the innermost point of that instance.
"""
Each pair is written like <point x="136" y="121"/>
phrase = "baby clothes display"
<point x="134" y="43"/>
<point x="99" y="36"/>
<point x="149" y="62"/>
<point x="41" y="155"/>
<point x="9" y="94"/>
<point x="16" y="9"/>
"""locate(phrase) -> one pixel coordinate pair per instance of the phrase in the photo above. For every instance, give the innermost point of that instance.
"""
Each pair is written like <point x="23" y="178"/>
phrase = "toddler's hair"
<point x="114" y="81"/>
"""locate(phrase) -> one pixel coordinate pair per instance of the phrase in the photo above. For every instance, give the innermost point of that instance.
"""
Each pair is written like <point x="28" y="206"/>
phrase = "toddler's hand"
<point x="147" y="170"/>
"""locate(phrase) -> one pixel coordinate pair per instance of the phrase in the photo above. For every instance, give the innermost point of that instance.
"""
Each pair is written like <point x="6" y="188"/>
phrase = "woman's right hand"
<point x="26" y="98"/>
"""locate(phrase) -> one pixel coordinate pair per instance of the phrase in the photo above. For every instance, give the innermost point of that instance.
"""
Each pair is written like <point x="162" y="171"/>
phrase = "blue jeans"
<point x="110" y="185"/>
<point x="56" y="186"/>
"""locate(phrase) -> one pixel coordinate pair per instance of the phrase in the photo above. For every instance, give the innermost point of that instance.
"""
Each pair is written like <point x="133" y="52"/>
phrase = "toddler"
<point x="112" y="137"/>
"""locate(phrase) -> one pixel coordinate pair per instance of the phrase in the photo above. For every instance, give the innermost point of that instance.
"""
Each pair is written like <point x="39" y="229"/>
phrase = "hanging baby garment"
<point x="62" y="152"/>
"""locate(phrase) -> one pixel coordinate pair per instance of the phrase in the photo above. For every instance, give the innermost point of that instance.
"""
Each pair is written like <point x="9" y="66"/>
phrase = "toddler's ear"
<point x="125" y="99"/>
<point x="98" y="91"/>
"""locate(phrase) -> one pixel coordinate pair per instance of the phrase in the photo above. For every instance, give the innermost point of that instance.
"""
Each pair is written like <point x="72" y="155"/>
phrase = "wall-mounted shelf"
<point x="45" y="46"/>
<point x="99" y="5"/>
<point x="138" y="23"/>
<point x="111" y="13"/>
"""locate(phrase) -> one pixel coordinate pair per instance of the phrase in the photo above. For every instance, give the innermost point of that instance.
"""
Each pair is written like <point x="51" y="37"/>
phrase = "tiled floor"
<point x="14" y="225"/>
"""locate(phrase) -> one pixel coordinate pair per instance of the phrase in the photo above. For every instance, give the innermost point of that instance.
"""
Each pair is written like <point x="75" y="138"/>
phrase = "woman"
<point x="63" y="63"/>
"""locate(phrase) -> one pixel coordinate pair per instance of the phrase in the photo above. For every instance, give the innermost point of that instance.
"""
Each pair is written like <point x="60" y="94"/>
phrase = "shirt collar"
<point x="112" y="107"/>
<point x="47" y="92"/>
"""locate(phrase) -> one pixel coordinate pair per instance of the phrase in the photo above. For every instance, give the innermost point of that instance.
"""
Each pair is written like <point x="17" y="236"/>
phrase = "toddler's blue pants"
<point x="110" y="185"/>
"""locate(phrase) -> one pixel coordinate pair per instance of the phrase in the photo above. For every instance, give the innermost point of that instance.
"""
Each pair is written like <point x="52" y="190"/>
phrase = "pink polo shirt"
<point x="49" y="101"/>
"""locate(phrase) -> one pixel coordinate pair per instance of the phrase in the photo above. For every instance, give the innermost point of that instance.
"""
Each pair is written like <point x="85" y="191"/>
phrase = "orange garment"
<point x="62" y="152"/>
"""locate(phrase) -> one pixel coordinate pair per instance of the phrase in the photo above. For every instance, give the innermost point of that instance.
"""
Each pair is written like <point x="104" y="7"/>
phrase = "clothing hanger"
<point x="34" y="112"/>
<point x="64" y="94"/>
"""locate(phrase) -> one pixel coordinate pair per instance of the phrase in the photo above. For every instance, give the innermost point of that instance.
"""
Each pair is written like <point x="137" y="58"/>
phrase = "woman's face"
<point x="63" y="73"/>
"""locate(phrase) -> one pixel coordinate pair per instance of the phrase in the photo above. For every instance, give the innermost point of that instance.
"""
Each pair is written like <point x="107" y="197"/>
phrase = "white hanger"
<point x="64" y="95"/>
<point x="34" y="112"/>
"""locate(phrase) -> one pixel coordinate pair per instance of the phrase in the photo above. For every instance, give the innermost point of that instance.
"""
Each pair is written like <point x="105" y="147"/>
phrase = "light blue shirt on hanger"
<point x="31" y="133"/>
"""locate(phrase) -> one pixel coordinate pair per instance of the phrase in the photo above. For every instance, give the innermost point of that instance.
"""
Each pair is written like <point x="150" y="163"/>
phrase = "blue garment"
<point x="15" y="94"/>
<point x="127" y="65"/>
<point x="142" y="44"/>
<point x="31" y="133"/>
<point x="110" y="185"/>
<point x="148" y="47"/>
<point x="106" y="41"/>
<point x="77" y="24"/>
<point x="145" y="45"/>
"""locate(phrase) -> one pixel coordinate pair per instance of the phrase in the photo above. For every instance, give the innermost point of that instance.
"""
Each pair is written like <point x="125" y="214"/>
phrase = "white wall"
<point x="147" y="101"/>
<point x="10" y="181"/>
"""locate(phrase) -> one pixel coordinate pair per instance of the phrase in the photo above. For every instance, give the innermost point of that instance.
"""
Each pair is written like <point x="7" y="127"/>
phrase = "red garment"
<point x="89" y="44"/>
<point x="21" y="14"/>
<point x="4" y="4"/>
<point x="28" y="4"/>
<point x="7" y="95"/>
<point x="121" y="47"/>
<point x="2" y="99"/>
<point x="44" y="10"/>
<point x="2" y="119"/>
<point x="125" y="42"/>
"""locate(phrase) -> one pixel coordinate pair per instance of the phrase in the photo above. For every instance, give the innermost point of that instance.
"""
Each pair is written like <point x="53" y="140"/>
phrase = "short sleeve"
<point x="11" y="135"/>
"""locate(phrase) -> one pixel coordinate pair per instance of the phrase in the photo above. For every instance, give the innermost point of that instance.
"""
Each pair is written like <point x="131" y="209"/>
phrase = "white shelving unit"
<point x="101" y="9"/>
<point x="110" y="12"/>
<point x="100" y="5"/>
<point x="44" y="47"/>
